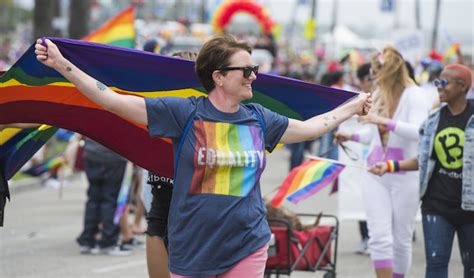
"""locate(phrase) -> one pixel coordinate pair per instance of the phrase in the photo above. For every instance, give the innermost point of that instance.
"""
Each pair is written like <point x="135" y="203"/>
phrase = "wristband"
<point x="355" y="137"/>
<point x="393" y="166"/>
<point x="391" y="125"/>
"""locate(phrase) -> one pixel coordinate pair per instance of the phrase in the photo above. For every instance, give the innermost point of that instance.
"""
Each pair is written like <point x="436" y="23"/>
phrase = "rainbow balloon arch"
<point x="226" y="11"/>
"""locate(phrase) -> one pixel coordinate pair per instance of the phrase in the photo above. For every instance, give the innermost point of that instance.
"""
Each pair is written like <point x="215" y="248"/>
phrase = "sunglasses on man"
<point x="443" y="82"/>
<point x="246" y="70"/>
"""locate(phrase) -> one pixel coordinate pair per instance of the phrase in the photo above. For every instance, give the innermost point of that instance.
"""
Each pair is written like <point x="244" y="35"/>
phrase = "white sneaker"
<point x="86" y="250"/>
<point x="363" y="247"/>
<point x="52" y="183"/>
<point x="115" y="251"/>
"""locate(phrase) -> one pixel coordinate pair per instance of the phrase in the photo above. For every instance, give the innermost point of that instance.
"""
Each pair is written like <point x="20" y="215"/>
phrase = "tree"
<point x="79" y="16"/>
<point x="43" y="18"/>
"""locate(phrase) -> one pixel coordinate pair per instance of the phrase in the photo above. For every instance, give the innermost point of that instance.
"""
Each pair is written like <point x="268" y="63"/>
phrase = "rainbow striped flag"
<point x="116" y="31"/>
<point x="32" y="92"/>
<point x="119" y="31"/>
<point x="51" y="165"/>
<point x="234" y="181"/>
<point x="451" y="51"/>
<point x="15" y="149"/>
<point x="122" y="199"/>
<point x="306" y="180"/>
<point x="20" y="148"/>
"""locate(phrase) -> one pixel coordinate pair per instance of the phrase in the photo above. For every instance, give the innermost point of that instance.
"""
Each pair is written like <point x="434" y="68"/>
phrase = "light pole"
<point x="436" y="23"/>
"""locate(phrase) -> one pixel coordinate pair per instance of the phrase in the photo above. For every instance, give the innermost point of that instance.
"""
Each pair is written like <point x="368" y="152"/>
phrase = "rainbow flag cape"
<point x="14" y="150"/>
<point x="306" y="180"/>
<point x="116" y="31"/>
<point x="32" y="92"/>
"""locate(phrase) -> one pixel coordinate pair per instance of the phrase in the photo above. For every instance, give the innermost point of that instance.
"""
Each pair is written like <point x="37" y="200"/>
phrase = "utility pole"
<point x="79" y="16"/>
<point x="417" y="15"/>
<point x="43" y="17"/>
<point x="335" y="11"/>
<point x="203" y="11"/>
<point x="314" y="9"/>
<point x="292" y="24"/>
<point x="436" y="23"/>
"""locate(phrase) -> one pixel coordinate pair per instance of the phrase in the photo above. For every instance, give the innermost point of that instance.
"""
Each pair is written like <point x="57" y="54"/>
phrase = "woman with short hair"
<point x="217" y="223"/>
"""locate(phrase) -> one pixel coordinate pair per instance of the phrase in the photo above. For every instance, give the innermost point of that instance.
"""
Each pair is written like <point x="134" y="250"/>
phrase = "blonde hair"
<point x="391" y="78"/>
<point x="188" y="55"/>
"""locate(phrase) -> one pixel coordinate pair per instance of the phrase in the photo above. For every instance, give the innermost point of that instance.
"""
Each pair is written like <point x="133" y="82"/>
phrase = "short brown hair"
<point x="215" y="54"/>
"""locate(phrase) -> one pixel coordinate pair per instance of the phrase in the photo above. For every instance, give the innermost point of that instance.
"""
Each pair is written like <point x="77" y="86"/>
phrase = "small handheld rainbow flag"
<point x="306" y="180"/>
<point x="51" y="165"/>
<point x="122" y="199"/>
<point x="451" y="51"/>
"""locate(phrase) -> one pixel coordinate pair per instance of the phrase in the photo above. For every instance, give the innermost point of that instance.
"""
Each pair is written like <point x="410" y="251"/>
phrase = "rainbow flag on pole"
<point x="451" y="51"/>
<point x="119" y="31"/>
<point x="306" y="180"/>
<point x="122" y="198"/>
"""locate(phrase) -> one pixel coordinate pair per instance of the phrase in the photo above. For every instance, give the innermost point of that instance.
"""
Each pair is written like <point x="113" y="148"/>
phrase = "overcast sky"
<point x="456" y="15"/>
<point x="456" y="18"/>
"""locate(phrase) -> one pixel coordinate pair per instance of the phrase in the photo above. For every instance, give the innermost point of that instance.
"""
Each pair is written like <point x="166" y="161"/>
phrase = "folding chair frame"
<point x="330" y="268"/>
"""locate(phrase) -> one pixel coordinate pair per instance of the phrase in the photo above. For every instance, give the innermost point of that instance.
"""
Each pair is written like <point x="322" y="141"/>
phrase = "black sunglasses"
<point x="246" y="70"/>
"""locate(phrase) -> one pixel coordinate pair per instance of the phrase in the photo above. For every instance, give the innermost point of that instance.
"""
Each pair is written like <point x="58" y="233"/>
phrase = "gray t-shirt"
<point x="96" y="152"/>
<point x="217" y="216"/>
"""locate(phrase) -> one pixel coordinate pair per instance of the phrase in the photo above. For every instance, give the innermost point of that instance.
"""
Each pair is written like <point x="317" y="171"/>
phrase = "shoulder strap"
<point x="189" y="122"/>
<point x="259" y="118"/>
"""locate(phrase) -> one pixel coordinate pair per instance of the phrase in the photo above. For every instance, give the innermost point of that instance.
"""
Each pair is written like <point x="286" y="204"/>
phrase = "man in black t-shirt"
<point x="446" y="174"/>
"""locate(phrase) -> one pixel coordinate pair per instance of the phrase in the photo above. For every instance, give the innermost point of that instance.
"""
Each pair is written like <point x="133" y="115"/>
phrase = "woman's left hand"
<point x="379" y="169"/>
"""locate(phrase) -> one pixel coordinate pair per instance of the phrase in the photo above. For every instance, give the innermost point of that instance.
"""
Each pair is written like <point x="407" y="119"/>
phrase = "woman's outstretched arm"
<point x="130" y="107"/>
<point x="299" y="131"/>
<point x="380" y="168"/>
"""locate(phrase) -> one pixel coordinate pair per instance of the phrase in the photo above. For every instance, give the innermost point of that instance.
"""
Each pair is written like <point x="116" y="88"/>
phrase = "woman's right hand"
<point x="379" y="169"/>
<point x="340" y="137"/>
<point x="49" y="55"/>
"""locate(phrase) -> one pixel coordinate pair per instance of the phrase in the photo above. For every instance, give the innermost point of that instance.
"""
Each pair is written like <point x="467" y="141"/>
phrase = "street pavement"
<point x="41" y="224"/>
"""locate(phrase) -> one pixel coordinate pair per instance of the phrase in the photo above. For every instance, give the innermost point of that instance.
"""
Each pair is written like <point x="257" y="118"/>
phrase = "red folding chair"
<point x="308" y="250"/>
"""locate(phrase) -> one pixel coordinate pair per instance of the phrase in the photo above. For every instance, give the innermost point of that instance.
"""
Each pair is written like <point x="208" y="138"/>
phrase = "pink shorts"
<point x="252" y="266"/>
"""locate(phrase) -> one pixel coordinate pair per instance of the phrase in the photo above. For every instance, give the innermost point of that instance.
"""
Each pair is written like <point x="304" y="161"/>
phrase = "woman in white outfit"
<point x="391" y="201"/>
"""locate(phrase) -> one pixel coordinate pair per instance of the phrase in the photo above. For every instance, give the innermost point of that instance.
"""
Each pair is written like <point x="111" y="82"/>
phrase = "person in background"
<point x="391" y="201"/>
<point x="158" y="212"/>
<point x="365" y="84"/>
<point x="327" y="148"/>
<point x="446" y="174"/>
<point x="105" y="170"/>
<point x="297" y="150"/>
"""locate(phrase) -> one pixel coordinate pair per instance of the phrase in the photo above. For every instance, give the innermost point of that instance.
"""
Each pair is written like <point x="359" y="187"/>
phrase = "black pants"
<point x="160" y="207"/>
<point x="105" y="180"/>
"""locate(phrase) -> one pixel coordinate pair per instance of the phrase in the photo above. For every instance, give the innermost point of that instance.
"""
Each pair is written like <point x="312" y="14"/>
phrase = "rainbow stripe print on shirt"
<point x="228" y="158"/>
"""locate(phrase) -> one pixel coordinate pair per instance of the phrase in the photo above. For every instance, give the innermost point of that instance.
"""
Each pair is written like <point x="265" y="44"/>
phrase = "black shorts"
<point x="157" y="218"/>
